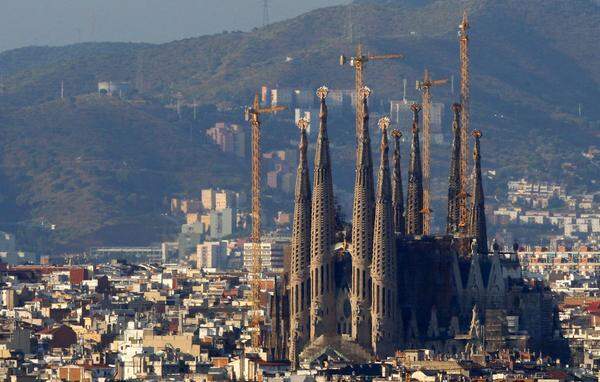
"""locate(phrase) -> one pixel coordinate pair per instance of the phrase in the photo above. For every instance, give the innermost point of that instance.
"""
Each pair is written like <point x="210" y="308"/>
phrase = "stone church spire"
<point x="397" y="193"/>
<point x="477" y="224"/>
<point x="300" y="253"/>
<point x="322" y="310"/>
<point x="414" y="202"/>
<point x="454" y="192"/>
<point x="383" y="266"/>
<point x="362" y="230"/>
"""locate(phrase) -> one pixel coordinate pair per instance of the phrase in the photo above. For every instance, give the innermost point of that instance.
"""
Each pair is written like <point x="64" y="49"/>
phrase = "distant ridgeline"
<point x="529" y="78"/>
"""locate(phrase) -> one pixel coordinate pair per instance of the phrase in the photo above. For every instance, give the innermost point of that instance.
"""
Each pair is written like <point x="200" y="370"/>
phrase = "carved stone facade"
<point x="362" y="231"/>
<point x="397" y="193"/>
<point x="388" y="290"/>
<point x="322" y="311"/>
<point x="383" y="266"/>
<point x="454" y="194"/>
<point x="300" y="253"/>
<point x="414" y="201"/>
<point x="477" y="223"/>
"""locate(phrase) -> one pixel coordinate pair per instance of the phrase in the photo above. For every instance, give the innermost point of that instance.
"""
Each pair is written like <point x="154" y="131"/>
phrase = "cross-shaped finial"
<point x="476" y="134"/>
<point x="396" y="134"/>
<point x="303" y="124"/>
<point x="322" y="92"/>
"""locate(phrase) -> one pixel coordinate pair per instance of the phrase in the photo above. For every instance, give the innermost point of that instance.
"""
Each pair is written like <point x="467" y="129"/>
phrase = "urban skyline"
<point x="279" y="205"/>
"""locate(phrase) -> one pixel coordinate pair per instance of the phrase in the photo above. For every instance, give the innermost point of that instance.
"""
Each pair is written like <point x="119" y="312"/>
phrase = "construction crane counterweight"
<point x="358" y="63"/>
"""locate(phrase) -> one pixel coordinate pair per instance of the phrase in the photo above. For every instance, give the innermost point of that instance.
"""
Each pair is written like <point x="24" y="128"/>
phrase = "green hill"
<point x="533" y="63"/>
<point x="93" y="166"/>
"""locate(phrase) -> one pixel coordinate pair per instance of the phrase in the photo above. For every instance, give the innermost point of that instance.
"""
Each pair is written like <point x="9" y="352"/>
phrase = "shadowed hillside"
<point x="94" y="165"/>
<point x="532" y="63"/>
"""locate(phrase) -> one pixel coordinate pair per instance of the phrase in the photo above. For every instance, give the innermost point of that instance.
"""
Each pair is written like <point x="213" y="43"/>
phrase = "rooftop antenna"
<point x="452" y="84"/>
<point x="265" y="13"/>
<point x="62" y="89"/>
<point x="404" y="91"/>
<point x="195" y="109"/>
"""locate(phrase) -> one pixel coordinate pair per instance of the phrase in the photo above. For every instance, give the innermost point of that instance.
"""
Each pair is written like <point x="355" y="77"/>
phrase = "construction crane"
<point x="358" y="63"/>
<point x="425" y="87"/>
<point x="253" y="114"/>
<point x="463" y="38"/>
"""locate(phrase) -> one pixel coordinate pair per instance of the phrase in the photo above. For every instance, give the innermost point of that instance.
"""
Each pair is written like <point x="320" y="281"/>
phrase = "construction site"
<point x="386" y="280"/>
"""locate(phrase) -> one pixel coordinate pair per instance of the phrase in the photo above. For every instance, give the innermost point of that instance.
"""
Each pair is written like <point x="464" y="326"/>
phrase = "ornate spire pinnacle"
<point x="414" y="202"/>
<point x="362" y="229"/>
<point x="322" y="312"/>
<point x="322" y="155"/>
<point x="322" y="93"/>
<point x="454" y="191"/>
<point x="383" y="266"/>
<point x="397" y="193"/>
<point x="477" y="226"/>
<point x="300" y="254"/>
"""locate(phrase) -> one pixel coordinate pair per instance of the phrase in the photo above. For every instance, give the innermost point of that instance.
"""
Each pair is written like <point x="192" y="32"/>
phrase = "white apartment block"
<point x="272" y="253"/>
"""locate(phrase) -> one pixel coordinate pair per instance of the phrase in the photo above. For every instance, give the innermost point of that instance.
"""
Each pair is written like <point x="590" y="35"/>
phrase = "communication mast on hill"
<point x="265" y="13"/>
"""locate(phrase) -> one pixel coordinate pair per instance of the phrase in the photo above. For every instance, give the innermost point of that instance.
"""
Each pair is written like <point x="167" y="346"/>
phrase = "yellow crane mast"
<point x="358" y="63"/>
<point x="254" y="113"/>
<point x="425" y="87"/>
<point x="465" y="115"/>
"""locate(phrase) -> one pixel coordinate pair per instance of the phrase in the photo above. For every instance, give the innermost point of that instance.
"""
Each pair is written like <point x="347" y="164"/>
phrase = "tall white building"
<point x="272" y="254"/>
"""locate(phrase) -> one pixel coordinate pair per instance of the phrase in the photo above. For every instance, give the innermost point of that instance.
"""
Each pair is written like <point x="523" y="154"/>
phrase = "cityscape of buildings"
<point x="561" y="218"/>
<point x="505" y="290"/>
<point x="182" y="309"/>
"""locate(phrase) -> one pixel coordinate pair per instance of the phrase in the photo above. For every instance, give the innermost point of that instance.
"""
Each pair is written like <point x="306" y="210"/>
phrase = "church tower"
<point x="362" y="230"/>
<point x="383" y="266"/>
<point x="322" y="310"/>
<point x="477" y="223"/>
<point x="300" y="253"/>
<point x="414" y="202"/>
<point x="454" y="194"/>
<point x="397" y="193"/>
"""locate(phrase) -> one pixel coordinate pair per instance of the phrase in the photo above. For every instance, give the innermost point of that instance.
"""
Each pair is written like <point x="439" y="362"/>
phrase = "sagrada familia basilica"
<point x="385" y="285"/>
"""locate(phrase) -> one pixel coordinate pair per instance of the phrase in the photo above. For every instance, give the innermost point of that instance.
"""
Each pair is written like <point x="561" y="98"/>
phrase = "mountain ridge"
<point x="528" y="78"/>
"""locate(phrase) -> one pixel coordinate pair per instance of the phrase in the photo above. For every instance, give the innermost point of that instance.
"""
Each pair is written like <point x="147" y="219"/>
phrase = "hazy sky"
<point x="59" y="22"/>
